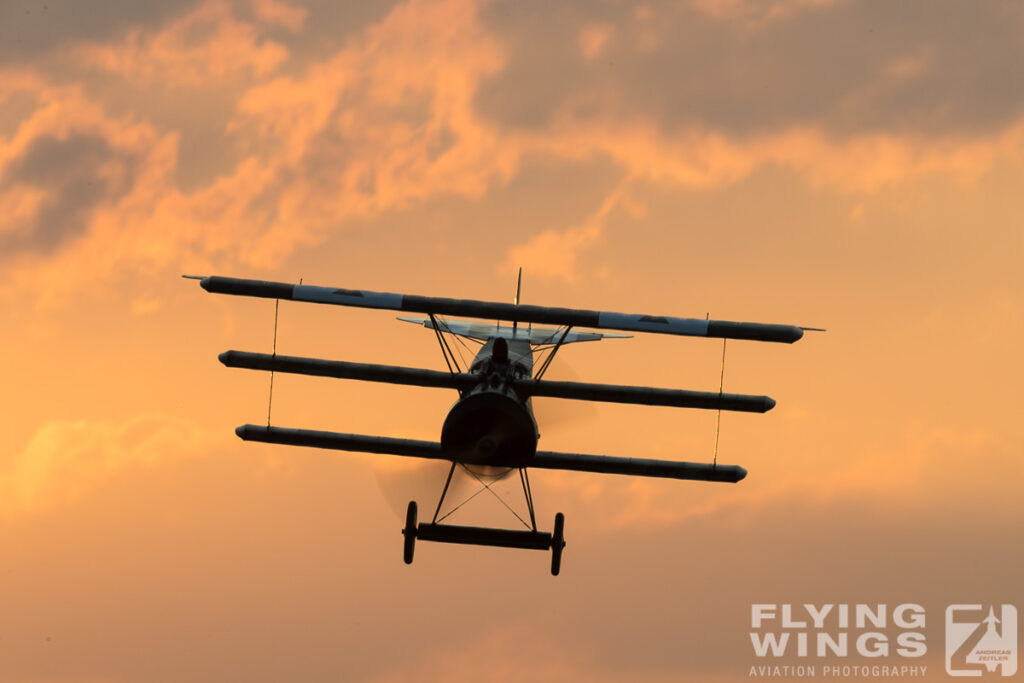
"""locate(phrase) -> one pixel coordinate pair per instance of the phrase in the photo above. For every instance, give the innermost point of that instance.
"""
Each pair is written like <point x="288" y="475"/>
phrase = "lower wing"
<point x="551" y="460"/>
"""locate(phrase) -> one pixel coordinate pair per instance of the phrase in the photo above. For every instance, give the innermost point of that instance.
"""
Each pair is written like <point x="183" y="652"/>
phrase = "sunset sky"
<point x="856" y="166"/>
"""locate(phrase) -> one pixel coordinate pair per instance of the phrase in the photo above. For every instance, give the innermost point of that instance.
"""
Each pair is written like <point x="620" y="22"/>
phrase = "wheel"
<point x="557" y="544"/>
<point x="410" y="531"/>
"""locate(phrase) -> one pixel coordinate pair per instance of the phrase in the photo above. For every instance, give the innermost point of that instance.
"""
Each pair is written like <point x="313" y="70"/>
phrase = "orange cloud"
<point x="66" y="233"/>
<point x="554" y="253"/>
<point x="754" y="14"/>
<point x="387" y="121"/>
<point x="277" y="12"/>
<point x="381" y="124"/>
<point x="64" y="460"/>
<point x="207" y="46"/>
<point x="512" y="653"/>
<point x="707" y="158"/>
<point x="921" y="471"/>
<point x="594" y="39"/>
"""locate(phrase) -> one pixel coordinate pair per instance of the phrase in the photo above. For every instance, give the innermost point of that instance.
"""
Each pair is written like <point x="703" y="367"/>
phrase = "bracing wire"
<point x="495" y="494"/>
<point x="485" y="487"/>
<point x="457" y="338"/>
<point x="270" y="398"/>
<point x="455" y="509"/>
<point x="449" y="357"/>
<point x="718" y="423"/>
<point x="551" y="356"/>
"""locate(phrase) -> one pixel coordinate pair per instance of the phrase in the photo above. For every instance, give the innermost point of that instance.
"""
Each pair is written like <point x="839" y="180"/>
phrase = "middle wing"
<point x="584" y="391"/>
<point x="637" y="467"/>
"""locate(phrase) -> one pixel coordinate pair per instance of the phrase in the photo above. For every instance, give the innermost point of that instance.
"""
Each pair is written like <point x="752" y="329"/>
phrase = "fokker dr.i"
<point x="492" y="423"/>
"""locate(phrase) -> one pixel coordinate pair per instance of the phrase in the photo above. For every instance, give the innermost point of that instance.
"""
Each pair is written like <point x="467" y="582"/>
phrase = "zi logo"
<point x="981" y="640"/>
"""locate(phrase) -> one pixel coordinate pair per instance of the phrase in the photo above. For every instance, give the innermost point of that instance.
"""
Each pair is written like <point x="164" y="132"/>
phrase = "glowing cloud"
<point x="206" y="47"/>
<point x="64" y="460"/>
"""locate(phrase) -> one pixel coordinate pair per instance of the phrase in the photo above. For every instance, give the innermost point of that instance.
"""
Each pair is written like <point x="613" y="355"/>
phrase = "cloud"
<point x="208" y="46"/>
<point x="64" y="461"/>
<point x="514" y="653"/>
<point x="79" y="182"/>
<point x="381" y="123"/>
<point x="921" y="471"/>
<point x="386" y="121"/>
<point x="594" y="39"/>
<point x="277" y="12"/>
<point x="747" y="68"/>
<point x="29" y="30"/>
<point x="437" y="100"/>
<point x="554" y="253"/>
<point x="753" y="15"/>
<point x="271" y="561"/>
<point x="62" y="180"/>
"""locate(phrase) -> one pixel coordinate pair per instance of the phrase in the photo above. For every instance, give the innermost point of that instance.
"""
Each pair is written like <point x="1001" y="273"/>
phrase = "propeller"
<point x="403" y="479"/>
<point x="556" y="415"/>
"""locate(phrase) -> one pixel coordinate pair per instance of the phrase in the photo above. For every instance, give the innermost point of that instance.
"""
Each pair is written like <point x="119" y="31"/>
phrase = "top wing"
<point x="632" y="322"/>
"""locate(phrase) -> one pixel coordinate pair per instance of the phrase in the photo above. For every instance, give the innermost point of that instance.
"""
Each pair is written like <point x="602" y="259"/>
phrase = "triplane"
<point x="491" y="427"/>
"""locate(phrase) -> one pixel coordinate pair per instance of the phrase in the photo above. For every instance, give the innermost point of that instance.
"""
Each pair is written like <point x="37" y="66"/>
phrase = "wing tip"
<point x="246" y="432"/>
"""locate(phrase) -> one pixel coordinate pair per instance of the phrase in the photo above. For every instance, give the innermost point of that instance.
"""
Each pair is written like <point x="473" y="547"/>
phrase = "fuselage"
<point x="490" y="424"/>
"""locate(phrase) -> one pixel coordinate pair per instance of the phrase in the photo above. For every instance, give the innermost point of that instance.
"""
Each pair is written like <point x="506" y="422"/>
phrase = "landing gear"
<point x="410" y="532"/>
<point x="530" y="538"/>
<point x="478" y="535"/>
<point x="557" y="544"/>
